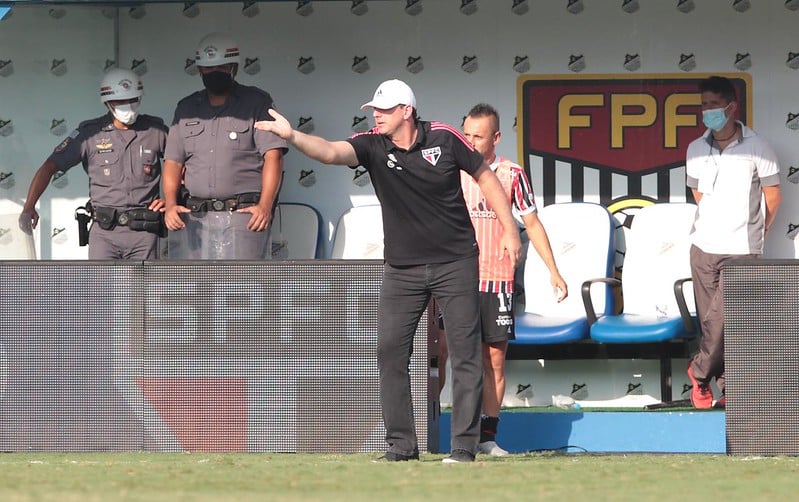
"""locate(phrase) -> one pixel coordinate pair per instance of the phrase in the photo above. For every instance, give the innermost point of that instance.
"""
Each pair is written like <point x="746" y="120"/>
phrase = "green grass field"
<point x="291" y="477"/>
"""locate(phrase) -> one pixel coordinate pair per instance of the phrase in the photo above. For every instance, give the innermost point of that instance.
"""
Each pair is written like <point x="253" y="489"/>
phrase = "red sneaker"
<point x="721" y="402"/>
<point x="701" y="395"/>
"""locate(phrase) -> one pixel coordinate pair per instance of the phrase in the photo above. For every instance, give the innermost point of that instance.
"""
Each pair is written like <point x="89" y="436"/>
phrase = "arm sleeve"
<point x="522" y="193"/>
<point x="162" y="137"/>
<point x="264" y="140"/>
<point x="69" y="152"/>
<point x="768" y="166"/>
<point x="175" y="149"/>
<point x="360" y="143"/>
<point x="692" y="167"/>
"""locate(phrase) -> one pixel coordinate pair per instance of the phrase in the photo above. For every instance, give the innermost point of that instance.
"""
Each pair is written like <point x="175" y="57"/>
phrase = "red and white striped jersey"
<point x="496" y="276"/>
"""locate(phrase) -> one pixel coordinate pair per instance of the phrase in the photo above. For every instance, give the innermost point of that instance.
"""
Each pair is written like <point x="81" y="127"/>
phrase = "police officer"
<point x="230" y="170"/>
<point x="120" y="152"/>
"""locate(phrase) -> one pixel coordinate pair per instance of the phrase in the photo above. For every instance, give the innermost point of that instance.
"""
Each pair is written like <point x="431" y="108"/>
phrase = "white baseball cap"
<point x="390" y="94"/>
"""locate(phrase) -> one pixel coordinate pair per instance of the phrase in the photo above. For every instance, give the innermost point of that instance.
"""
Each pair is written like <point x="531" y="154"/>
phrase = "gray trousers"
<point x="709" y="296"/>
<point x="404" y="295"/>
<point x="122" y="243"/>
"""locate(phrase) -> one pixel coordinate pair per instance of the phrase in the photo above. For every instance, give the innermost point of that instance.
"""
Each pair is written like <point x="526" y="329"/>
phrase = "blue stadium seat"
<point x="657" y="308"/>
<point x="582" y="238"/>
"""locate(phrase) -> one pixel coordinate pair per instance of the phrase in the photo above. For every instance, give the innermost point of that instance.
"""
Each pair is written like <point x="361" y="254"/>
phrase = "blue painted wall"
<point x="607" y="432"/>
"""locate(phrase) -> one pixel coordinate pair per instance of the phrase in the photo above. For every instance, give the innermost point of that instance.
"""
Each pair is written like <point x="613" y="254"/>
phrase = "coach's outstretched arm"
<point x="315" y="147"/>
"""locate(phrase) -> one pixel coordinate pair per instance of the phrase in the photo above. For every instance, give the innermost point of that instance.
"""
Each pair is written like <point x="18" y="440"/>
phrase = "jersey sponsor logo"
<point x="482" y="210"/>
<point x="504" y="321"/>
<point x="393" y="162"/>
<point x="476" y="213"/>
<point x="432" y="155"/>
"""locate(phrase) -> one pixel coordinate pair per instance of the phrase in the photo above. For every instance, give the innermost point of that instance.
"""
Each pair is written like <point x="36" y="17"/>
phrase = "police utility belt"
<point x="240" y="201"/>
<point x="109" y="218"/>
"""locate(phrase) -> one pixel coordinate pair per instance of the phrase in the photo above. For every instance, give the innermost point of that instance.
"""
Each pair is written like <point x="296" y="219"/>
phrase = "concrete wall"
<point x="720" y="36"/>
<point x="715" y="32"/>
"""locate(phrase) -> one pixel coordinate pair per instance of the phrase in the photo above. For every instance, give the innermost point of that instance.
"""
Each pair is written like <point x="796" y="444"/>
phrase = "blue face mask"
<point x="715" y="118"/>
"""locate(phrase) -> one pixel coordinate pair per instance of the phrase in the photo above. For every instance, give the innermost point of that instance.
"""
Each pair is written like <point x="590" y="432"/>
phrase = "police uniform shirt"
<point x="221" y="150"/>
<point x="425" y="219"/>
<point x="123" y="164"/>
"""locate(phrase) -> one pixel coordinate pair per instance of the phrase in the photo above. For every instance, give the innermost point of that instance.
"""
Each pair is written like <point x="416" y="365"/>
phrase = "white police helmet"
<point x="216" y="49"/>
<point x="119" y="84"/>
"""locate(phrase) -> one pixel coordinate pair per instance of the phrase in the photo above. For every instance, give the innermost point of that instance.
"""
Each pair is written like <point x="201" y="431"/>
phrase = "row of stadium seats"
<point x="297" y="233"/>
<point x="646" y="310"/>
<point x="656" y="266"/>
<point x="358" y="234"/>
<point x="656" y="307"/>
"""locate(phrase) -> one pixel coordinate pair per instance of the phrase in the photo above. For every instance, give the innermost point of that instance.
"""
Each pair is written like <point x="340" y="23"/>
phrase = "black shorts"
<point x="496" y="317"/>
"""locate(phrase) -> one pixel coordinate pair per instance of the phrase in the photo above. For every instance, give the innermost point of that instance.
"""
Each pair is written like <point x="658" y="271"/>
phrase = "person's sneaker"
<point x="491" y="448"/>
<point x="391" y="456"/>
<point x="701" y="395"/>
<point x="458" y="456"/>
<point x="721" y="402"/>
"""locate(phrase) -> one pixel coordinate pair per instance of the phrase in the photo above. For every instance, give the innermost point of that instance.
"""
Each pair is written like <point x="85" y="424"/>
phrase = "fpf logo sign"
<point x="618" y="140"/>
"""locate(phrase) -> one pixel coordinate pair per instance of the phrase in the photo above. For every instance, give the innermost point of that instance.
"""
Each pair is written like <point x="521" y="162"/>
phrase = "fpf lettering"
<point x="627" y="110"/>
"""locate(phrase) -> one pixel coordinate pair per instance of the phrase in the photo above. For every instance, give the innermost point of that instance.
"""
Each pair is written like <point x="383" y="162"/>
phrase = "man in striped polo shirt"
<point x="481" y="128"/>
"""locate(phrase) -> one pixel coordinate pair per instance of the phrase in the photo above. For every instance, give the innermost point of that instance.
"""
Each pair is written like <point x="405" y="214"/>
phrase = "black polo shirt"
<point x="425" y="219"/>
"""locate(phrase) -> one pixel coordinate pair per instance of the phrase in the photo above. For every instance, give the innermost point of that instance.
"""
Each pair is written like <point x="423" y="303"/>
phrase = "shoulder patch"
<point x="64" y="144"/>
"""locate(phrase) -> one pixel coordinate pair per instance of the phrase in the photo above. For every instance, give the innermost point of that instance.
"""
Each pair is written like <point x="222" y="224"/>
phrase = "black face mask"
<point x="218" y="82"/>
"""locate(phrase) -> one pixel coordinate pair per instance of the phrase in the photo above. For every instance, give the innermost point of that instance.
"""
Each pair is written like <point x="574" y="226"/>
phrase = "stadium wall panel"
<point x="195" y="356"/>
<point x="761" y="356"/>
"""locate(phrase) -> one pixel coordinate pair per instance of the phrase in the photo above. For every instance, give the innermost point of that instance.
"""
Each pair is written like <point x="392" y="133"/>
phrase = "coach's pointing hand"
<point x="280" y="126"/>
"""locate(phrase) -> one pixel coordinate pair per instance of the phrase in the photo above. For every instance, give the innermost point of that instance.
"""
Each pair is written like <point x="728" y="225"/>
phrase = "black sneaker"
<point x="457" y="456"/>
<point x="391" y="456"/>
